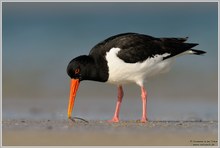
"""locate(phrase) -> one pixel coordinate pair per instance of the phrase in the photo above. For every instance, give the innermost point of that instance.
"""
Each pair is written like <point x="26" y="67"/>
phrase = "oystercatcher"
<point x="126" y="58"/>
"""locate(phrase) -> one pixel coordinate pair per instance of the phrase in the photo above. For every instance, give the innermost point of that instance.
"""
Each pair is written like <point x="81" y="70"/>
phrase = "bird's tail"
<point x="197" y="52"/>
<point x="192" y="51"/>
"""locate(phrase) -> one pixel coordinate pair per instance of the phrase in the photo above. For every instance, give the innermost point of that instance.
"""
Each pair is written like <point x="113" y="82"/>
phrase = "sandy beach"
<point x="100" y="132"/>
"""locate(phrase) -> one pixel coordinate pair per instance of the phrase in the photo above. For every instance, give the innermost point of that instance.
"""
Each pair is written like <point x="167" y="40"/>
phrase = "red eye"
<point x="77" y="71"/>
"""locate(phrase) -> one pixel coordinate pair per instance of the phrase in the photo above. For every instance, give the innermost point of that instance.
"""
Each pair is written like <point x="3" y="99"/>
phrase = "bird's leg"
<point x="117" y="109"/>
<point x="144" y="104"/>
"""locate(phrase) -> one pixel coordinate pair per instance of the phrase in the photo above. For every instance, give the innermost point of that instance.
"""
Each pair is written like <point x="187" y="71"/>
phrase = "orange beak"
<point x="73" y="89"/>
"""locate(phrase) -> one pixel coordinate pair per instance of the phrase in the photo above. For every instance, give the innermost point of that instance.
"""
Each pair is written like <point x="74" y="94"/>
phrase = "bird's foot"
<point x="144" y="120"/>
<point x="114" y="120"/>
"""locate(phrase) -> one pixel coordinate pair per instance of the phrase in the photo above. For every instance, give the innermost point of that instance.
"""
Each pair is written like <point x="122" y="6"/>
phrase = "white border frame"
<point x="104" y="1"/>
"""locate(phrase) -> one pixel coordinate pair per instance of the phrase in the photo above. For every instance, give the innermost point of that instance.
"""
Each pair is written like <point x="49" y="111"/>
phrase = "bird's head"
<point x="76" y="69"/>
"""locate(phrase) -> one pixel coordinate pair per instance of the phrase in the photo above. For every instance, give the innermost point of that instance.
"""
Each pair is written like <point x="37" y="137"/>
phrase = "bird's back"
<point x="139" y="47"/>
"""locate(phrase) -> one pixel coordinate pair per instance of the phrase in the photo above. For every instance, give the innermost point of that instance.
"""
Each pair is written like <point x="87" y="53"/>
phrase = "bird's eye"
<point x="77" y="71"/>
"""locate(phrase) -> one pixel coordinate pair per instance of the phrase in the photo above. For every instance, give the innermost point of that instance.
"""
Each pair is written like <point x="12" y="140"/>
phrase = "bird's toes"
<point x="114" y="120"/>
<point x="144" y="120"/>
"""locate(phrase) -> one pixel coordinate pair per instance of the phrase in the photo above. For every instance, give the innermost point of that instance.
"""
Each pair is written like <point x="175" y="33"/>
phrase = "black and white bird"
<point x="126" y="58"/>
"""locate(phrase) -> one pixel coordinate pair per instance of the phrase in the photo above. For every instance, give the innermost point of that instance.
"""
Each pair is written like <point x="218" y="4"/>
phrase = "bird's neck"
<point x="93" y="70"/>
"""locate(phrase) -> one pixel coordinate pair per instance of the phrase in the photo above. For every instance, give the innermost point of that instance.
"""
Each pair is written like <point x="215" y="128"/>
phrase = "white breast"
<point x="121" y="72"/>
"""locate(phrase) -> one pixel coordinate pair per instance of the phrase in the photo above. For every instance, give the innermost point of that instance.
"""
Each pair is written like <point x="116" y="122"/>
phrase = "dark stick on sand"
<point x="78" y="118"/>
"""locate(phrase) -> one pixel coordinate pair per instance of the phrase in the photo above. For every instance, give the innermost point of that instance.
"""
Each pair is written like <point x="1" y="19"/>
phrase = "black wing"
<point x="138" y="47"/>
<point x="108" y="43"/>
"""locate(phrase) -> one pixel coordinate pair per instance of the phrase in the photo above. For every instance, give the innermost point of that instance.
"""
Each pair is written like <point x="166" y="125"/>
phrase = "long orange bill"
<point x="73" y="89"/>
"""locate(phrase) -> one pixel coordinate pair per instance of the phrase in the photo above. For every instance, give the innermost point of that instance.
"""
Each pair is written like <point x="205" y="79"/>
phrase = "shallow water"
<point x="103" y="109"/>
<point x="44" y="42"/>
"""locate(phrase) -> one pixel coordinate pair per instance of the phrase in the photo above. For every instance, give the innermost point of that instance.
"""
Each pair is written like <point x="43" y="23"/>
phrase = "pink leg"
<point x="117" y="109"/>
<point x="144" y="102"/>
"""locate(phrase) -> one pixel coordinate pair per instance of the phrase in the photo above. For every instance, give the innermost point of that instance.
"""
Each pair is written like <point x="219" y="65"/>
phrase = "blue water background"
<point x="39" y="39"/>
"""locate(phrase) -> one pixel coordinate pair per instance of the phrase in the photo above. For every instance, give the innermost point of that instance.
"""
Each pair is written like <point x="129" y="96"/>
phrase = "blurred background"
<point x="39" y="40"/>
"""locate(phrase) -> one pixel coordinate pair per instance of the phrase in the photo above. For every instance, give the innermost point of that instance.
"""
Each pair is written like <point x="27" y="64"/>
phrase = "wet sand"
<point x="99" y="132"/>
